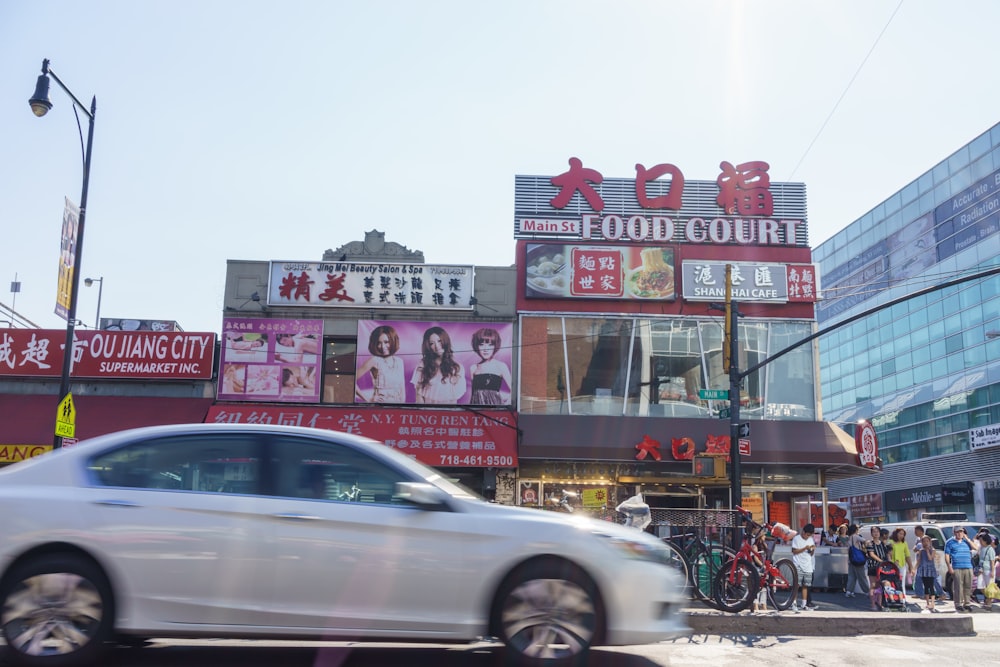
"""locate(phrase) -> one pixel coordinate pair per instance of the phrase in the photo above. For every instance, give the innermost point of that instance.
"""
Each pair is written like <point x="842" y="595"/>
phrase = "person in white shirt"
<point x="803" y="555"/>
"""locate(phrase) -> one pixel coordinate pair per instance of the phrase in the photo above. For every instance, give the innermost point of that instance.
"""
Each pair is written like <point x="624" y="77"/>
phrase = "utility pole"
<point x="731" y="364"/>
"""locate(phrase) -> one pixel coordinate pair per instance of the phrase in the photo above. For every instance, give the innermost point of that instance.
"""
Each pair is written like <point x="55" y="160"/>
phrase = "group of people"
<point x="438" y="377"/>
<point x="962" y="566"/>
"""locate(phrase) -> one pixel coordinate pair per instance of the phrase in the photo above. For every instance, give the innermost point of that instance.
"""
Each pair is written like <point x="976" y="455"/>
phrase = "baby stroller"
<point x="889" y="595"/>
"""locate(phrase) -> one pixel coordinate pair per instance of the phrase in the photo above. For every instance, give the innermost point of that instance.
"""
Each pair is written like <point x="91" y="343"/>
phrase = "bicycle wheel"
<point x="736" y="586"/>
<point x="676" y="560"/>
<point x="782" y="585"/>
<point x="703" y="567"/>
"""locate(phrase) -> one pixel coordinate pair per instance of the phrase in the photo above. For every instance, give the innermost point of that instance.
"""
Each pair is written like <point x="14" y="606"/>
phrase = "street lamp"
<point x="89" y="282"/>
<point x="40" y="106"/>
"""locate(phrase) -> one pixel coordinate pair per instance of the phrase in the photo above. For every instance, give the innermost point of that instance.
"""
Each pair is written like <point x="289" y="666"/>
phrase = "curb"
<point x="836" y="624"/>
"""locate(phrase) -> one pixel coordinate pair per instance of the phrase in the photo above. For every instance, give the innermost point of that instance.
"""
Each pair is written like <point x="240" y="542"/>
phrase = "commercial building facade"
<point x="621" y="341"/>
<point x="925" y="372"/>
<point x="594" y="364"/>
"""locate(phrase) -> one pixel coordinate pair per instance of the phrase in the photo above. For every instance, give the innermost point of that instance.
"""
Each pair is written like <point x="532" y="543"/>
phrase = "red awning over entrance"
<point x="31" y="419"/>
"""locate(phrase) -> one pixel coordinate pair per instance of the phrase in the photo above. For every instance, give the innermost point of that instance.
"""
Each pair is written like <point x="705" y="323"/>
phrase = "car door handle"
<point x="117" y="503"/>
<point x="297" y="516"/>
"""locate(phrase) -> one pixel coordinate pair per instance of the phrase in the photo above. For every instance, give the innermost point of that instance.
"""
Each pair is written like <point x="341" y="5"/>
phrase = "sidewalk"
<point x="840" y="616"/>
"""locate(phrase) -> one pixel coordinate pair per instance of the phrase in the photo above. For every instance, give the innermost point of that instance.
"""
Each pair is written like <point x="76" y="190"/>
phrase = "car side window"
<point x="204" y="463"/>
<point x="329" y="471"/>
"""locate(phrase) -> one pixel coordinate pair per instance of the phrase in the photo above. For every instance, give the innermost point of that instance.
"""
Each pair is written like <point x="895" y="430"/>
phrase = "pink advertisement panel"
<point x="437" y="363"/>
<point x="440" y="438"/>
<point x="270" y="360"/>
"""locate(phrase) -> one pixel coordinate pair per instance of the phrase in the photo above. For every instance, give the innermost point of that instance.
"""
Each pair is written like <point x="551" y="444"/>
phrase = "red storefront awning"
<point x="27" y="419"/>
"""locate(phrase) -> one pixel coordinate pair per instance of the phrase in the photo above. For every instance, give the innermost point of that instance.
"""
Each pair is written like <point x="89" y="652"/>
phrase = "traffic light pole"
<point x="732" y="333"/>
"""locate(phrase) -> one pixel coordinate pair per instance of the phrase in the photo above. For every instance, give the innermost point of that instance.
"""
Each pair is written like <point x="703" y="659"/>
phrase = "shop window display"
<point x="641" y="367"/>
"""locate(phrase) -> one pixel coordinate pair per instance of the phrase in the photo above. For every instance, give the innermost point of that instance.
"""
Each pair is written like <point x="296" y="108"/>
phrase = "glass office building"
<point x="926" y="371"/>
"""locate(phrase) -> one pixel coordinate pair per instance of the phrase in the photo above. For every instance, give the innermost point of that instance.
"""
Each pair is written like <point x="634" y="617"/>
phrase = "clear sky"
<point x="276" y="130"/>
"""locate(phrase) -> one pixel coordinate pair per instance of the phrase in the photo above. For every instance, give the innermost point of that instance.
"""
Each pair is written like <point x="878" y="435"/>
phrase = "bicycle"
<point x="637" y="515"/>
<point x="739" y="581"/>
<point x="702" y="562"/>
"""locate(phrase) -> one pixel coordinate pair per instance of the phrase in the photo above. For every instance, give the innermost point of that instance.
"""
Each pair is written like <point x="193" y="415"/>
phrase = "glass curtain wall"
<point x="645" y="367"/>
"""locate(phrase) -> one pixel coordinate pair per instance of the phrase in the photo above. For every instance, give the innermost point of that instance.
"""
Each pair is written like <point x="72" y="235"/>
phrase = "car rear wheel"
<point x="548" y="614"/>
<point x="55" y="610"/>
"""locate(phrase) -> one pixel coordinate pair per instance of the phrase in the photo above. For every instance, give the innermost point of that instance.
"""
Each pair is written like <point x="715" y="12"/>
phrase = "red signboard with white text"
<point x="439" y="438"/>
<point x="176" y="355"/>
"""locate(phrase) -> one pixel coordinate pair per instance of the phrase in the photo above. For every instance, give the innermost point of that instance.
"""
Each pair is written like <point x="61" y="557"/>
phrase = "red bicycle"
<point x="740" y="580"/>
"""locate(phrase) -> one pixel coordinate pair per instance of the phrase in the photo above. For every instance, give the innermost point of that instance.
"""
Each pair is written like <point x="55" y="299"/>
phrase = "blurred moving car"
<point x="253" y="531"/>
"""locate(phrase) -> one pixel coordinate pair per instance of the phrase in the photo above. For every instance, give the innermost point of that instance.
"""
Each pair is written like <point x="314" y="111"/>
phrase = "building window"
<point x="338" y="369"/>
<point x="627" y="366"/>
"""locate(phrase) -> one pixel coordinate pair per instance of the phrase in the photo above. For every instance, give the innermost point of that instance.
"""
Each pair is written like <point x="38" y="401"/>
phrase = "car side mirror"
<point x="936" y="543"/>
<point x="426" y="496"/>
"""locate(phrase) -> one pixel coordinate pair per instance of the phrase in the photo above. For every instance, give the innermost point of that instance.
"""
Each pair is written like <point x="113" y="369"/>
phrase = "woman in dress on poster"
<point x="490" y="373"/>
<point x="439" y="378"/>
<point x="386" y="369"/>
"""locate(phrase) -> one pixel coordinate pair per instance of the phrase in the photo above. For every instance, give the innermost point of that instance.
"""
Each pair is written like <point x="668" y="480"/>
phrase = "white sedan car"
<point x="250" y="531"/>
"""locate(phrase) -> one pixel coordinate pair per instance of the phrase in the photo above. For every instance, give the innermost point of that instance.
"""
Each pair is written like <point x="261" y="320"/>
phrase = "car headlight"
<point x="637" y="549"/>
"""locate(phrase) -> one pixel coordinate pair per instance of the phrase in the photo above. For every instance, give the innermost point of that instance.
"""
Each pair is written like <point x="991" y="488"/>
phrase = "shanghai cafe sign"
<point x="741" y="207"/>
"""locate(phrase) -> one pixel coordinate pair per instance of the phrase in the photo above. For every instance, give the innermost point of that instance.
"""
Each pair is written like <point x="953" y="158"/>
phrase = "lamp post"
<point x="89" y="282"/>
<point x="40" y="106"/>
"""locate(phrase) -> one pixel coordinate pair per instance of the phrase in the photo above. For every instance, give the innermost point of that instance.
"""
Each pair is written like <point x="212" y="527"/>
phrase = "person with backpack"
<point x="857" y="560"/>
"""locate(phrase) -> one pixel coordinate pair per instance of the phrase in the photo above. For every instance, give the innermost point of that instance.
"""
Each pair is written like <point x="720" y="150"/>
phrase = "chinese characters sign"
<point x="751" y="282"/>
<point x="108" y="354"/>
<point x="270" y="360"/>
<point x="441" y="438"/>
<point x="444" y="363"/>
<point x="361" y="285"/>
<point x="599" y="272"/>
<point x="741" y="207"/>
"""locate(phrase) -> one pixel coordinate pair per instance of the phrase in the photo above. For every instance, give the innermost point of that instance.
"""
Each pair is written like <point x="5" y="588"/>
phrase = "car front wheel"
<point x="548" y="614"/>
<point x="55" y="610"/>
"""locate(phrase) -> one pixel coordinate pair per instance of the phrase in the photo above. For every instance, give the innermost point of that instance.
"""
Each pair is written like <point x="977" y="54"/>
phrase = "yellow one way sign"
<point x="66" y="418"/>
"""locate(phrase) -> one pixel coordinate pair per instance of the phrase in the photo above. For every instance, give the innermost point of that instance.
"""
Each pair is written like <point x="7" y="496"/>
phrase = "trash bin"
<point x="836" y="582"/>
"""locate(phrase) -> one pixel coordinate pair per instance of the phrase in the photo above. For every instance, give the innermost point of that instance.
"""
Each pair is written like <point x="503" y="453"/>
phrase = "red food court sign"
<point x="175" y="355"/>
<point x="741" y="207"/>
<point x="439" y="438"/>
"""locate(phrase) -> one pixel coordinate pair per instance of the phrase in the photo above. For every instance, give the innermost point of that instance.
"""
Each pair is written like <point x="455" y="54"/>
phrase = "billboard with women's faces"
<point x="434" y="363"/>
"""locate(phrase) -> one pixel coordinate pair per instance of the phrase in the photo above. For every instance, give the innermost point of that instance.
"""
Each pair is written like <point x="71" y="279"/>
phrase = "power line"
<point x="844" y="94"/>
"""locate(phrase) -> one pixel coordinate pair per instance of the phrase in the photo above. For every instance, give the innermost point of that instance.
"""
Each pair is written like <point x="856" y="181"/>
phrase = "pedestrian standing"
<point x="856" y="574"/>
<point x="918" y="583"/>
<point x="958" y="554"/>
<point x="926" y="572"/>
<point x="902" y="557"/>
<point x="987" y="559"/>
<point x="878" y="552"/>
<point x="803" y="554"/>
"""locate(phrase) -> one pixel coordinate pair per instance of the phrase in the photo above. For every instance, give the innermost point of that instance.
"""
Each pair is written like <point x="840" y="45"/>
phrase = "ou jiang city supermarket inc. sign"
<point x="740" y="207"/>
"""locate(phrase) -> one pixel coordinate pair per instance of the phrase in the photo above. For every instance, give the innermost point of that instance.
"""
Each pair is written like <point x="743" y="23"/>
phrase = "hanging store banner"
<point x="757" y="282"/>
<point x="132" y="355"/>
<point x="440" y="438"/>
<point x="567" y="271"/>
<point x="67" y="258"/>
<point x="370" y="285"/>
<point x="270" y="360"/>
